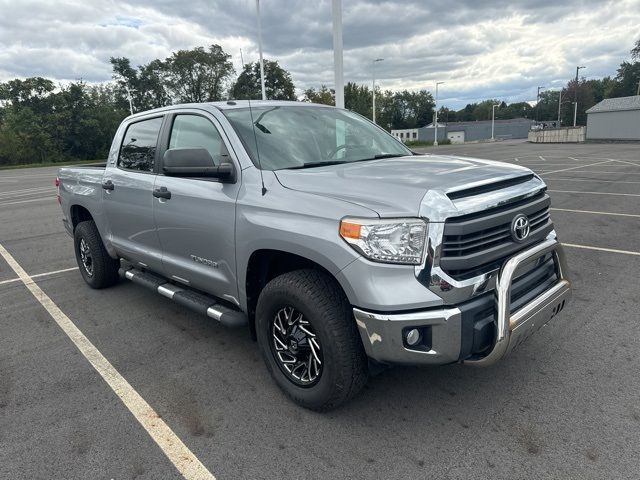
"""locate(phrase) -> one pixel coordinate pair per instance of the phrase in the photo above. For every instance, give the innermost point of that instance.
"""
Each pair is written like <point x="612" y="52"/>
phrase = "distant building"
<point x="460" y="132"/>
<point x="614" y="119"/>
<point x="406" y="135"/>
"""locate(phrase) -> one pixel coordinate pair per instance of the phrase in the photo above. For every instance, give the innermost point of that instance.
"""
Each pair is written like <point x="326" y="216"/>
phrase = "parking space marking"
<point x="40" y="275"/>
<point x="27" y="201"/>
<point x="601" y="249"/>
<point x="26" y="191"/>
<point x="175" y="450"/>
<point x="542" y="158"/>
<point x="573" y="158"/>
<point x="592" y="180"/>
<point x="629" y="163"/>
<point x="595" y="213"/>
<point x="577" y="167"/>
<point x="597" y="193"/>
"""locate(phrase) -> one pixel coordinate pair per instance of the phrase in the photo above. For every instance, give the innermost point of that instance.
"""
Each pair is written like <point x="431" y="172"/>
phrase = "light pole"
<point x="493" y="120"/>
<point x="337" y="52"/>
<point x="264" y="92"/>
<point x="575" y="98"/>
<point x="374" y="86"/>
<point x="559" y="108"/>
<point x="435" y="139"/>
<point x="127" y="89"/>
<point x="129" y="96"/>
<point x="538" y="102"/>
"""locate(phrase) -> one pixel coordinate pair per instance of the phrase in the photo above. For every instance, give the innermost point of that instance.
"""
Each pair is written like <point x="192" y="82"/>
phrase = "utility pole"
<point x="538" y="102"/>
<point x="435" y="138"/>
<point x="264" y="92"/>
<point x="575" y="98"/>
<point x="374" y="86"/>
<point x="337" y="53"/>
<point x="493" y="119"/>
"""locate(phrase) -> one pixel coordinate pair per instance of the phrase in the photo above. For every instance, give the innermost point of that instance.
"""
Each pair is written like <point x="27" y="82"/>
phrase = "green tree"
<point x="359" y="99"/>
<point x="196" y="75"/>
<point x="278" y="83"/>
<point x="323" y="95"/>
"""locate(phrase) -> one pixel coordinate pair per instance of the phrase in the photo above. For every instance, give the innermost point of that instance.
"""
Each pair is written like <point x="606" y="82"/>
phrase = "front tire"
<point x="309" y="340"/>
<point x="98" y="269"/>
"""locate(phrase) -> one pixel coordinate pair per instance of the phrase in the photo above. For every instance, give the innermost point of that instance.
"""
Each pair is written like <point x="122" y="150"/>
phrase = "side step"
<point x="198" y="302"/>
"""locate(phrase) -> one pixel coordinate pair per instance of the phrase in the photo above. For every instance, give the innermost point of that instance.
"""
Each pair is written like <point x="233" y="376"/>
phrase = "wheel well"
<point x="79" y="214"/>
<point x="264" y="266"/>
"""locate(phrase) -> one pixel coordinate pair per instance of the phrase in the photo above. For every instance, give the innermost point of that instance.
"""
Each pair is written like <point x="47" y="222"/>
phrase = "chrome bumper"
<point x="382" y="333"/>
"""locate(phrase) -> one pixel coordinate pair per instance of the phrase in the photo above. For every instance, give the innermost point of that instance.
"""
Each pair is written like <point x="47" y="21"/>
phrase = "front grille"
<point x="480" y="242"/>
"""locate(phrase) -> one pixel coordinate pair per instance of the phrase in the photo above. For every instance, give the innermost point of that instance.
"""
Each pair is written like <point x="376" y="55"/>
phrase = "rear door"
<point x="128" y="199"/>
<point x="196" y="226"/>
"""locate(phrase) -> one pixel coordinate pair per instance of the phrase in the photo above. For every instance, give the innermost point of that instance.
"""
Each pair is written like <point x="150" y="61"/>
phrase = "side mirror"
<point x="194" y="162"/>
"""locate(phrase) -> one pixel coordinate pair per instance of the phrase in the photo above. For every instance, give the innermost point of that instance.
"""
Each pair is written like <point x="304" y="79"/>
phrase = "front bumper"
<point x="383" y="334"/>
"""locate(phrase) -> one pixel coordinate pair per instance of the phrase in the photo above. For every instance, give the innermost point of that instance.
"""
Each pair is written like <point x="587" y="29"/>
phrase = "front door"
<point x="196" y="226"/>
<point x="128" y="195"/>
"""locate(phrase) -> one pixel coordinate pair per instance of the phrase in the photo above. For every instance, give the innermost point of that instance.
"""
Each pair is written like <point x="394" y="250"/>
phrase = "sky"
<point x="500" y="49"/>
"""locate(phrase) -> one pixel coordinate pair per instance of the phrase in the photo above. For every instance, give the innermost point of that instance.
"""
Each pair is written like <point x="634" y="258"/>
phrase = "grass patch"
<point x="50" y="164"/>
<point x="421" y="143"/>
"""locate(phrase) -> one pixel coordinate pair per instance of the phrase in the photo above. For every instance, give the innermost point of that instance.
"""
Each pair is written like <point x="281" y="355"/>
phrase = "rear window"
<point x="138" y="151"/>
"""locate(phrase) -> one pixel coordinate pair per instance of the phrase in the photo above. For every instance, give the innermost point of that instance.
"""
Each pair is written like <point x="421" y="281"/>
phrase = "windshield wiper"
<point x="317" y="164"/>
<point x="386" y="155"/>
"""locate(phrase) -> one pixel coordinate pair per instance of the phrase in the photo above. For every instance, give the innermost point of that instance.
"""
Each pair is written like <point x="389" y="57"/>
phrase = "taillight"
<point x="57" y="184"/>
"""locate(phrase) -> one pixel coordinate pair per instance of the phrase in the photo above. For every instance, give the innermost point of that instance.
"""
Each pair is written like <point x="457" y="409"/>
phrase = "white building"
<point x="406" y="135"/>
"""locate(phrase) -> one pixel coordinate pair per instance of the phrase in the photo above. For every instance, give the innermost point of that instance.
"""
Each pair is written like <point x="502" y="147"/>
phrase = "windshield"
<point x="310" y="136"/>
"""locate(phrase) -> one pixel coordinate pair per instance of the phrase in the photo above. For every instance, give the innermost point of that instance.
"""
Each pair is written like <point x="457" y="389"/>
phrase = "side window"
<point x="194" y="131"/>
<point x="138" y="149"/>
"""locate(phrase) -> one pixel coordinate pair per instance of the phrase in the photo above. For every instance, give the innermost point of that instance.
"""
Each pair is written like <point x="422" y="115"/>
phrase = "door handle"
<point x="108" y="185"/>
<point x="162" y="192"/>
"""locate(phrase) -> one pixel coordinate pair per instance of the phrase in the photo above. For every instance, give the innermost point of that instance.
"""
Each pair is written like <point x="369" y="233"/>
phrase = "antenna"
<point x="255" y="137"/>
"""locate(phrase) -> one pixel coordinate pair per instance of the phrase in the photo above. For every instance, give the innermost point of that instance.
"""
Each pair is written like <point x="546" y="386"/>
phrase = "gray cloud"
<point x="501" y="48"/>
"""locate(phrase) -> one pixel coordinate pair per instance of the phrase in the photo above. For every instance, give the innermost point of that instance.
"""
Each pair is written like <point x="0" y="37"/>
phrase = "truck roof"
<point x="231" y="104"/>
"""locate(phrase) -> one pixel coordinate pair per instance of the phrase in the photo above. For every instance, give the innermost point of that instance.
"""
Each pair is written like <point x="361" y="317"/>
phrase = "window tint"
<point x="194" y="131"/>
<point x="138" y="150"/>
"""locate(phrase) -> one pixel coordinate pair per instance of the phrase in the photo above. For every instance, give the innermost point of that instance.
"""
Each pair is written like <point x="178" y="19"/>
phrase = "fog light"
<point x="413" y="337"/>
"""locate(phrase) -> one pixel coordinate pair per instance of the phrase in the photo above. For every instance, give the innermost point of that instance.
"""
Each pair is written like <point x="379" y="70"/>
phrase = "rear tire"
<point x="338" y="368"/>
<point x="97" y="268"/>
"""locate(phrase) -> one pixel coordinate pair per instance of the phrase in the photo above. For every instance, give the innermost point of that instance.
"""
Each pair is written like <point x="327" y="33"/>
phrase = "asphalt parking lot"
<point x="565" y="405"/>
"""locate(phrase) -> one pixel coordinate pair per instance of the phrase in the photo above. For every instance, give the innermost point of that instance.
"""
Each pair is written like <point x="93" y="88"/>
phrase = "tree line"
<point x="44" y="122"/>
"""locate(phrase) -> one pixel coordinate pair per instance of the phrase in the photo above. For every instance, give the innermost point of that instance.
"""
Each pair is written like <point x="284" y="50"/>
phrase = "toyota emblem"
<point x="520" y="228"/>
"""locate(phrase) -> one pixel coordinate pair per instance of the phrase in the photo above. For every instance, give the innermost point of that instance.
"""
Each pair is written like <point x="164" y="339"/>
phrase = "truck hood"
<point x="396" y="186"/>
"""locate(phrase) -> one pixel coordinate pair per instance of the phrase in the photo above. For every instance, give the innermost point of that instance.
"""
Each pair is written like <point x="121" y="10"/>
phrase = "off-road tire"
<point x="324" y="305"/>
<point x="104" y="272"/>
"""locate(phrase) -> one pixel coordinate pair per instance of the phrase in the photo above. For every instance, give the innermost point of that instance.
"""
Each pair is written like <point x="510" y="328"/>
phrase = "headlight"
<point x="397" y="240"/>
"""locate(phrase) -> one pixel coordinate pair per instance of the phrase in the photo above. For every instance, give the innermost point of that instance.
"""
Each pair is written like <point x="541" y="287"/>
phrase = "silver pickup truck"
<point x="336" y="246"/>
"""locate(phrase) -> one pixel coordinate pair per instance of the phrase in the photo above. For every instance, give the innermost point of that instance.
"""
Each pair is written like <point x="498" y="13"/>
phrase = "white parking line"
<point x="542" y="158"/>
<point x="573" y="158"/>
<point x="27" y="190"/>
<point x="629" y="163"/>
<point x="597" y="193"/>
<point x="592" y="180"/>
<point x="600" y="249"/>
<point x="28" y="201"/>
<point x="40" y="275"/>
<point x="23" y="195"/>
<point x="576" y="167"/>
<point x="177" y="452"/>
<point x="596" y="213"/>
